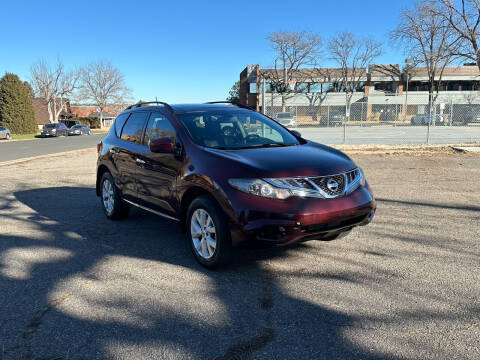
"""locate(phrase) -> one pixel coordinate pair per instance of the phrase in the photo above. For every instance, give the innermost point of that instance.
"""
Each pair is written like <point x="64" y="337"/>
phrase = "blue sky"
<point x="177" y="51"/>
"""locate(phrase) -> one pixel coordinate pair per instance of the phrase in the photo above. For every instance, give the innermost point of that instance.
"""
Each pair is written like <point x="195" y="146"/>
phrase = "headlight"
<point x="260" y="188"/>
<point x="362" y="177"/>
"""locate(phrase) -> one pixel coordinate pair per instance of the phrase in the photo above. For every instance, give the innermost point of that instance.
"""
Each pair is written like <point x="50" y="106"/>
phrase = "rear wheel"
<point x="113" y="205"/>
<point x="208" y="233"/>
<point x="7" y="136"/>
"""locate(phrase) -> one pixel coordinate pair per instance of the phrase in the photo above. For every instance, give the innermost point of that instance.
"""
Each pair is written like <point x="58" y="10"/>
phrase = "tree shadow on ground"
<point x="78" y="286"/>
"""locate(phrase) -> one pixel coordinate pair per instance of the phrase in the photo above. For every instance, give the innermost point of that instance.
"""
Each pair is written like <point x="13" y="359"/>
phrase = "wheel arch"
<point x="102" y="169"/>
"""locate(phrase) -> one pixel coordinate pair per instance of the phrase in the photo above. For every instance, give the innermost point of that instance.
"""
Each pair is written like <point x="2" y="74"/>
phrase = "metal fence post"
<point x="328" y="116"/>
<point x="451" y="111"/>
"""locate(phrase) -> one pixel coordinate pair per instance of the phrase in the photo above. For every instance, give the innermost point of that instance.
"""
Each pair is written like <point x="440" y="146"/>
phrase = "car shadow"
<point x="77" y="303"/>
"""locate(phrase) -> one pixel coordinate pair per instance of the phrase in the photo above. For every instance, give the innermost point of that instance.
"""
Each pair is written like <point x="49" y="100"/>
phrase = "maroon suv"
<point x="228" y="174"/>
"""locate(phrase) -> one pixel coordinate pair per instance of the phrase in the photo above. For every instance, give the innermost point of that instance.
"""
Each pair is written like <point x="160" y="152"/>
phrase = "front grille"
<point x="332" y="185"/>
<point x="329" y="186"/>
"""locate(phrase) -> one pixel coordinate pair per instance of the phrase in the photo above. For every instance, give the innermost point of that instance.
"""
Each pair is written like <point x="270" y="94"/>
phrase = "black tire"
<point x="337" y="236"/>
<point x="120" y="208"/>
<point x="7" y="137"/>
<point x="223" y="246"/>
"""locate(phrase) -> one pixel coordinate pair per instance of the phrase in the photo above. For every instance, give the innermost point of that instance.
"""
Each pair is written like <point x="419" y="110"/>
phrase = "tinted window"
<point x="2" y="128"/>
<point x="132" y="131"/>
<point x="49" y="126"/>
<point x="158" y="126"/>
<point x="119" y="121"/>
<point x="235" y="129"/>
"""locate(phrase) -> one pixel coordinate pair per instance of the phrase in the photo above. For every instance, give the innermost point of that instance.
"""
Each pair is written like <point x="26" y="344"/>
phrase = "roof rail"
<point x="232" y="103"/>
<point x="140" y="104"/>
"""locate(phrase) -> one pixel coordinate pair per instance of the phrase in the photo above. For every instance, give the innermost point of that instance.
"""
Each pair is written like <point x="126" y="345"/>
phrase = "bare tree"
<point x="55" y="85"/>
<point x="316" y="93"/>
<point x="463" y="17"/>
<point x="293" y="50"/>
<point x="428" y="40"/>
<point x="102" y="84"/>
<point x="352" y="55"/>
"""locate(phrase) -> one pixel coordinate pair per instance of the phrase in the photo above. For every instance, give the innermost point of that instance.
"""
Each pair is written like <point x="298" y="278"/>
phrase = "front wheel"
<point x="113" y="205"/>
<point x="7" y="137"/>
<point x="207" y="232"/>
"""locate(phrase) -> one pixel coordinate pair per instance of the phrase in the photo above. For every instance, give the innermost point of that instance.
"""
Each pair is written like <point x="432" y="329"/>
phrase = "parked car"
<point x="464" y="115"/>
<point x="79" y="130"/>
<point x="5" y="133"/>
<point x="201" y="166"/>
<point x="423" y="119"/>
<point x="285" y="118"/>
<point x="334" y="117"/>
<point x="70" y="123"/>
<point x="57" y="129"/>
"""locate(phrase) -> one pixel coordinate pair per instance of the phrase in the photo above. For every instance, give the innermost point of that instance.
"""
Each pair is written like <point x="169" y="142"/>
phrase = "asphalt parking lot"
<point x="13" y="150"/>
<point x="76" y="286"/>
<point x="392" y="135"/>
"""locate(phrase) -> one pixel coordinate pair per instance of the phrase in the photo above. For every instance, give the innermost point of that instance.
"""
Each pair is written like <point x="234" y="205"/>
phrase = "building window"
<point x="252" y="88"/>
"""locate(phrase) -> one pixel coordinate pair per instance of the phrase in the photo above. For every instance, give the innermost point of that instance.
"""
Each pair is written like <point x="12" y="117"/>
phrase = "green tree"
<point x="16" y="109"/>
<point x="31" y="93"/>
<point x="234" y="93"/>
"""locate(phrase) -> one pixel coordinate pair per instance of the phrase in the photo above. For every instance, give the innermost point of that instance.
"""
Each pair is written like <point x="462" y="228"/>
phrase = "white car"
<point x="285" y="119"/>
<point x="4" y="133"/>
<point x="422" y="119"/>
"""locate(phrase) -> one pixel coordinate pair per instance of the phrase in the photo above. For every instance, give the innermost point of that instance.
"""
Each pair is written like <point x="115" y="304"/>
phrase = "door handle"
<point x="113" y="151"/>
<point x="140" y="161"/>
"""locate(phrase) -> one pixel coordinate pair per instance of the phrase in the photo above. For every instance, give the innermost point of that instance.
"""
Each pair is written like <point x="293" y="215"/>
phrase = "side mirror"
<point x="161" y="145"/>
<point x="296" y="133"/>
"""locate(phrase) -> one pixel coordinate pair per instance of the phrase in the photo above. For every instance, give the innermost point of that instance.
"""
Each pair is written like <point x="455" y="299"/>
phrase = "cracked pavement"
<point x="77" y="286"/>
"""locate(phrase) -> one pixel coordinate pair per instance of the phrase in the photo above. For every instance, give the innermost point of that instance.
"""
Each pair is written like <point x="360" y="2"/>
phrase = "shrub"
<point x="16" y="109"/>
<point x="93" y="122"/>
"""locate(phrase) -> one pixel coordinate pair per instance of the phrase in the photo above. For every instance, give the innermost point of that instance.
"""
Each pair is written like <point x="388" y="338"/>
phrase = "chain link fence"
<point x="398" y="119"/>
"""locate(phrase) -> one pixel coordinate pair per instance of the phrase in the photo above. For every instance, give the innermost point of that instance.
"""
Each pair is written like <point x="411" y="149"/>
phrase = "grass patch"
<point x="24" y="136"/>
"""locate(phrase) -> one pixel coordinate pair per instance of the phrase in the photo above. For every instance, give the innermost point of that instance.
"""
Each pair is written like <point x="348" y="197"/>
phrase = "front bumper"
<point x="298" y="219"/>
<point x="288" y="123"/>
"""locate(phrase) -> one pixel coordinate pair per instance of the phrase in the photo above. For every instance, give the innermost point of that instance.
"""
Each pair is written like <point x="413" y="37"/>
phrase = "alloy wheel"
<point x="108" y="196"/>
<point x="202" y="230"/>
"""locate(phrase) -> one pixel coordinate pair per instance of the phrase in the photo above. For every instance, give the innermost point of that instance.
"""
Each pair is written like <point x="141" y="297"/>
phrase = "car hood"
<point x="310" y="159"/>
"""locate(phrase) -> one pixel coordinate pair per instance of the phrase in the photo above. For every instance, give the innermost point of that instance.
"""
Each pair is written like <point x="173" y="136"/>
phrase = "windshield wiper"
<point x="265" y="145"/>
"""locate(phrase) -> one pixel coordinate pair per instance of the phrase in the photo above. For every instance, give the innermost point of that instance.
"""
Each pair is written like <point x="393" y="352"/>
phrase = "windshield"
<point x="284" y="115"/>
<point x="239" y="129"/>
<point x="49" y="126"/>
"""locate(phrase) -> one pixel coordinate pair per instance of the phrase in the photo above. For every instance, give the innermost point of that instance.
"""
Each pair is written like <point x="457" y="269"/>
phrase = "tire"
<point x="208" y="256"/>
<point x="337" y="236"/>
<point x="7" y="137"/>
<point x="114" y="207"/>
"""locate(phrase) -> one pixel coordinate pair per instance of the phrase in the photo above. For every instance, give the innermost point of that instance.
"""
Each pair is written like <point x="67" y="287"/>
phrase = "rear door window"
<point x="133" y="128"/>
<point x="119" y="121"/>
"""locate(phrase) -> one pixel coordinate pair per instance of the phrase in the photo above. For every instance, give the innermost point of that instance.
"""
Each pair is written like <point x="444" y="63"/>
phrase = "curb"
<point x="46" y="156"/>
<point x="471" y="149"/>
<point x="16" y="140"/>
